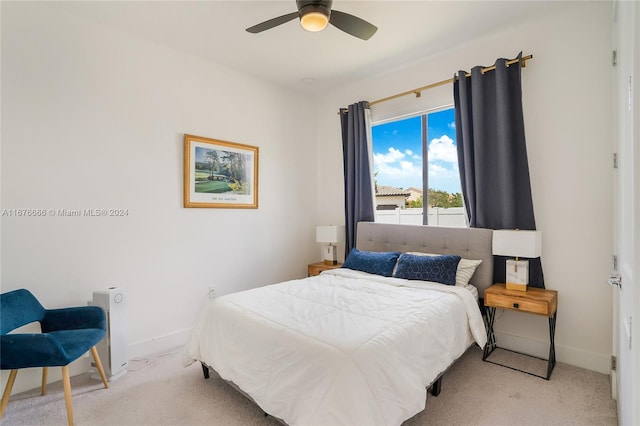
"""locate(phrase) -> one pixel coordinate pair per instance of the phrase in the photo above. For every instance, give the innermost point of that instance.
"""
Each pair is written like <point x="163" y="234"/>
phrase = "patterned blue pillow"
<point x="373" y="262"/>
<point x="440" y="269"/>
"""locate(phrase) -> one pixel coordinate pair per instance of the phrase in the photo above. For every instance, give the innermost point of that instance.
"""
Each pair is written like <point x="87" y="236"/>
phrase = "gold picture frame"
<point x="220" y="174"/>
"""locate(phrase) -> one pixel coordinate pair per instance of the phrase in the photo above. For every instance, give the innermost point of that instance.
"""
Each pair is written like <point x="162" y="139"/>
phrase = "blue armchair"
<point x="66" y="335"/>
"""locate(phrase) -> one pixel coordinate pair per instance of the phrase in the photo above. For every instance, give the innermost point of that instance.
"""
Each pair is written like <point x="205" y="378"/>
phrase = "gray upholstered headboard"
<point x="470" y="243"/>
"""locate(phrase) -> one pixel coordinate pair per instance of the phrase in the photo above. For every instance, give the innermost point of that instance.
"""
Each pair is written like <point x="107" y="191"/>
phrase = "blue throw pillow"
<point x="440" y="269"/>
<point x="373" y="262"/>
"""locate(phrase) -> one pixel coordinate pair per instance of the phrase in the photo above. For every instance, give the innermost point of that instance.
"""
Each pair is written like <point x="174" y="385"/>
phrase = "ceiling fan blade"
<point x="272" y="23"/>
<point x="352" y="25"/>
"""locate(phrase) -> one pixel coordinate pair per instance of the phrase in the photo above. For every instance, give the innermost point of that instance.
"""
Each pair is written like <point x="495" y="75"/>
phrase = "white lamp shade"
<point x="509" y="242"/>
<point x="330" y="234"/>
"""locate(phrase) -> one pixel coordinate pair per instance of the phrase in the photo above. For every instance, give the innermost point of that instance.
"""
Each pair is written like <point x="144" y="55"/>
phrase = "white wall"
<point x="94" y="118"/>
<point x="567" y="98"/>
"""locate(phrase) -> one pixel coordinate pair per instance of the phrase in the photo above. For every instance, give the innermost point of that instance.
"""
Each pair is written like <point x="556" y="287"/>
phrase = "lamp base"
<point x="516" y="286"/>
<point x="330" y="255"/>
<point x="517" y="276"/>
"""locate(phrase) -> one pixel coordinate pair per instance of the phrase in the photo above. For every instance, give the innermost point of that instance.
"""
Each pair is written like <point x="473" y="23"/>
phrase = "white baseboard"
<point x="31" y="378"/>
<point x="569" y="355"/>
<point x="158" y="344"/>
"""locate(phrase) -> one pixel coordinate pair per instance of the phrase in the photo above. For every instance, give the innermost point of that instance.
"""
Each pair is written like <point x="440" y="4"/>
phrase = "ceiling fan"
<point x="315" y="15"/>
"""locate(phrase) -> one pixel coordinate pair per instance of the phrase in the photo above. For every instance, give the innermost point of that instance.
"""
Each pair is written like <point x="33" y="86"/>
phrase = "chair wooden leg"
<point x="66" y="381"/>
<point x="45" y="373"/>
<point x="7" y="391"/>
<point x="96" y="359"/>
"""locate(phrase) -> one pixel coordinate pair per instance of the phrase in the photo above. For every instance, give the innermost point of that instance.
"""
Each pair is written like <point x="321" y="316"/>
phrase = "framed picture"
<point x="220" y="174"/>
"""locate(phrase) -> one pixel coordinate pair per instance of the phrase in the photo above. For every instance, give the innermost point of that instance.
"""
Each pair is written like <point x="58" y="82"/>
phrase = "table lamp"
<point x="330" y="235"/>
<point x="517" y="243"/>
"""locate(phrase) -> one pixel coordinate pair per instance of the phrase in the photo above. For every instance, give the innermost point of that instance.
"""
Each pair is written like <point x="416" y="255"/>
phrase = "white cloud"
<point x="443" y="149"/>
<point x="410" y="169"/>
<point x="436" y="170"/>
<point x="392" y="166"/>
<point x="413" y="155"/>
<point x="402" y="169"/>
<point x="452" y="125"/>
<point x="391" y="156"/>
<point x="444" y="178"/>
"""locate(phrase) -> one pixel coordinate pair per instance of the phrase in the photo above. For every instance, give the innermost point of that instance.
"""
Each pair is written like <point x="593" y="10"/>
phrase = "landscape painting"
<point x="219" y="173"/>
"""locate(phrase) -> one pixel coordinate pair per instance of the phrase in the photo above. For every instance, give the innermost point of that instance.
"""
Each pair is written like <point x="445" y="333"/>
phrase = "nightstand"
<point x="316" y="268"/>
<point x="536" y="301"/>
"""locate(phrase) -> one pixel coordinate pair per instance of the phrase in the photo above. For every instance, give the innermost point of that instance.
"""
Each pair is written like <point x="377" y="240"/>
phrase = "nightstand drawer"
<point x="540" y="307"/>
<point x="534" y="300"/>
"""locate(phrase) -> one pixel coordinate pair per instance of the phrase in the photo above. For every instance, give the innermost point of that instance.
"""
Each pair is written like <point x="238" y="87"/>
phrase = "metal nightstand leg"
<point x="491" y="337"/>
<point x="552" y="345"/>
<point x="492" y="345"/>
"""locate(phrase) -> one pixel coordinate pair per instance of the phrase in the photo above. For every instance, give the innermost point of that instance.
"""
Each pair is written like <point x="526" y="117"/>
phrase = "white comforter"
<point x="341" y="348"/>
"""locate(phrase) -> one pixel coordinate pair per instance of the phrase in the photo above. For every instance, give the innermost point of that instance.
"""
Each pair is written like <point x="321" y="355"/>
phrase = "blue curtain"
<point x="358" y="185"/>
<point x="492" y="154"/>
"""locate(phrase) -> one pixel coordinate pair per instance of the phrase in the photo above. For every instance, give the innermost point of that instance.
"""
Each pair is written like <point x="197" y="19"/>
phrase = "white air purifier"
<point x="113" y="348"/>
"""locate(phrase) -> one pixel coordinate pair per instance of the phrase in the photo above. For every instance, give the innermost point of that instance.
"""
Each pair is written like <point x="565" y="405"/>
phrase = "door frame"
<point x="625" y="379"/>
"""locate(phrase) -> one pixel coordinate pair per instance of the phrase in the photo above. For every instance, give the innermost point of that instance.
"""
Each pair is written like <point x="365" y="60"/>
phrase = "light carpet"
<point x="160" y="391"/>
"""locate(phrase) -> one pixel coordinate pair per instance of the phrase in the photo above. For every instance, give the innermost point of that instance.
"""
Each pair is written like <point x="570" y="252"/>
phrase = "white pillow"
<point x="465" y="270"/>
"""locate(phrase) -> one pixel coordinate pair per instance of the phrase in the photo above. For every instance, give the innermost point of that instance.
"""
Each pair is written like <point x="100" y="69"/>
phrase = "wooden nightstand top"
<point x="316" y="268"/>
<point x="535" y="300"/>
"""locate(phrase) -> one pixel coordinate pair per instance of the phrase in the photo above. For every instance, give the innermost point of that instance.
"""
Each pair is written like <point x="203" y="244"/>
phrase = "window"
<point x="401" y="149"/>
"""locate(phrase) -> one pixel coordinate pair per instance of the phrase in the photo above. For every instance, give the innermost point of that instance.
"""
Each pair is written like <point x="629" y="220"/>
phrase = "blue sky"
<point x="397" y="152"/>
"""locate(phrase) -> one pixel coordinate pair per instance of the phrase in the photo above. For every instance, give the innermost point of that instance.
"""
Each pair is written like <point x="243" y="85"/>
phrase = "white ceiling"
<point x="408" y="32"/>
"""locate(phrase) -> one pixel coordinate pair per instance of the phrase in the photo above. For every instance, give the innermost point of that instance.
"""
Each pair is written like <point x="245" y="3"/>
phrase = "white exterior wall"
<point x="389" y="200"/>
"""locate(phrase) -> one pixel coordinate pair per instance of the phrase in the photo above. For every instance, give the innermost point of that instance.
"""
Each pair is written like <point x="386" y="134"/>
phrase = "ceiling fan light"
<point x="314" y="21"/>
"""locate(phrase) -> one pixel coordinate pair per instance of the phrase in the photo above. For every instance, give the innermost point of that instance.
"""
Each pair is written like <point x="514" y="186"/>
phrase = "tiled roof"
<point x="390" y="191"/>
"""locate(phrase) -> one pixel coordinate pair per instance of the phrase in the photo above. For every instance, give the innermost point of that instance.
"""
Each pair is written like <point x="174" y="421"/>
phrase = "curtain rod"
<point x="419" y="90"/>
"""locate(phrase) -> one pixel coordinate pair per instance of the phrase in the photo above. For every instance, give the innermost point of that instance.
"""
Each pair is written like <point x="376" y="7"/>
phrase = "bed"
<point x="352" y="346"/>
